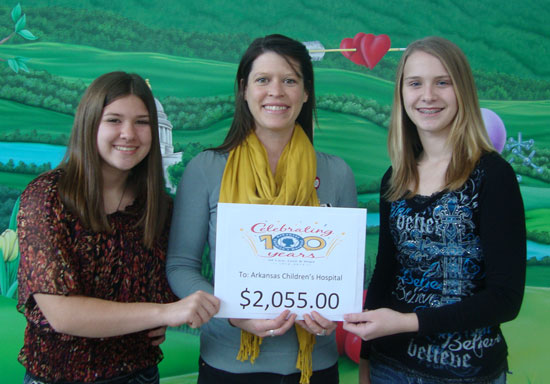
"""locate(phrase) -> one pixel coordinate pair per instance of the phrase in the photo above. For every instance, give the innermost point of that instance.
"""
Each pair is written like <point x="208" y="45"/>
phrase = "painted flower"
<point x="9" y="245"/>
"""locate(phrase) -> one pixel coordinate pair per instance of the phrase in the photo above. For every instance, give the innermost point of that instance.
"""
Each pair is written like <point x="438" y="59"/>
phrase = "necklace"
<point x="121" y="197"/>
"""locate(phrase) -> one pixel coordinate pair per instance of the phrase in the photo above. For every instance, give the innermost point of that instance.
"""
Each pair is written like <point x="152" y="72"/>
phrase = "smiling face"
<point x="428" y="94"/>
<point x="275" y="94"/>
<point x="124" y="135"/>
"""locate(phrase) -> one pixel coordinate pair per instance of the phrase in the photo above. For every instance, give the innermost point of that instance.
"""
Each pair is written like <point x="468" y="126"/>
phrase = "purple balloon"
<point x="495" y="128"/>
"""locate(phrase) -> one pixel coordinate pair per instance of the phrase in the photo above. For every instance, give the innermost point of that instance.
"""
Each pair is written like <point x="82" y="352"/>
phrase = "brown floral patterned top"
<point x="59" y="256"/>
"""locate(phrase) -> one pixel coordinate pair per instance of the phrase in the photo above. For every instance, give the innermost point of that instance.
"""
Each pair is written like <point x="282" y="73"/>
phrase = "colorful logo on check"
<point x="291" y="242"/>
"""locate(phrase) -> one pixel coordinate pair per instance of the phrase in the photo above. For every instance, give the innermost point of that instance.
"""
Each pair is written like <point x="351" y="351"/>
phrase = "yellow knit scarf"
<point x="247" y="179"/>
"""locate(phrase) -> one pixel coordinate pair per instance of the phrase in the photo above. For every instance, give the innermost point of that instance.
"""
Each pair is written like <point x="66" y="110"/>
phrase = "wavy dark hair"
<point x="293" y="52"/>
<point x="81" y="183"/>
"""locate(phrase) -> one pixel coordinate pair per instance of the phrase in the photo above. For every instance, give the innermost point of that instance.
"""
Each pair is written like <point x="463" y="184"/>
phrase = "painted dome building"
<point x="167" y="149"/>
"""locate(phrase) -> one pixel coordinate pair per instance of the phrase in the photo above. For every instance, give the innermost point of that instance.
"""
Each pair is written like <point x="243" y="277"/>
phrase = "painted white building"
<point x="167" y="149"/>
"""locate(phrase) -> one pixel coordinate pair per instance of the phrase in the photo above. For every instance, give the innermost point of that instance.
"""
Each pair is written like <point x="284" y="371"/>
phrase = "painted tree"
<point x="20" y="21"/>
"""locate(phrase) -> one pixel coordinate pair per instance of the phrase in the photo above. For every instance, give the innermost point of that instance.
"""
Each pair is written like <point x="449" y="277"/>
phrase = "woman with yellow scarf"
<point x="266" y="158"/>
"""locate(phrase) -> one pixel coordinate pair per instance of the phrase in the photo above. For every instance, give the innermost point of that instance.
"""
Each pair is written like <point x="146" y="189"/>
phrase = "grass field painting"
<point x="189" y="51"/>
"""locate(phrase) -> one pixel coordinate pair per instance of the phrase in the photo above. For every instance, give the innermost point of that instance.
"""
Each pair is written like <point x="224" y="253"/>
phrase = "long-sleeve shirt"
<point x="194" y="224"/>
<point x="457" y="259"/>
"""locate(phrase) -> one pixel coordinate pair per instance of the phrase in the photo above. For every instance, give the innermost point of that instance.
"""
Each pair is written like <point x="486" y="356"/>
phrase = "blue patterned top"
<point x="456" y="259"/>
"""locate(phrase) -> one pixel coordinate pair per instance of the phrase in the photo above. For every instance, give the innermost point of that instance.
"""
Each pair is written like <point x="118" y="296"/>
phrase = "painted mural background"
<point x="50" y="50"/>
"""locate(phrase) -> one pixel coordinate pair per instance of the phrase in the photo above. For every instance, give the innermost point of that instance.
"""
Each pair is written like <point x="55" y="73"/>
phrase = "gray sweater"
<point x="194" y="223"/>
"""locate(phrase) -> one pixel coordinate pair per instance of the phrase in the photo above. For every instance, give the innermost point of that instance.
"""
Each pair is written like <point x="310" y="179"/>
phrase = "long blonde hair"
<point x="468" y="138"/>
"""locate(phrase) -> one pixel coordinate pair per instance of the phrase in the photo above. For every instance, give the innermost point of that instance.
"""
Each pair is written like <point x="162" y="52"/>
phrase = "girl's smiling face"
<point x="124" y="134"/>
<point x="428" y="94"/>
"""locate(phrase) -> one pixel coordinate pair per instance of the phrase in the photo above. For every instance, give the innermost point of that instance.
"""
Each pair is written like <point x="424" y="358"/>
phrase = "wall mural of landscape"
<point x="50" y="50"/>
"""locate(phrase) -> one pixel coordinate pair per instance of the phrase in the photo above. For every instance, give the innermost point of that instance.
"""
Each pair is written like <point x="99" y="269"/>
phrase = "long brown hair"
<point x="81" y="183"/>
<point x="289" y="49"/>
<point x="468" y="138"/>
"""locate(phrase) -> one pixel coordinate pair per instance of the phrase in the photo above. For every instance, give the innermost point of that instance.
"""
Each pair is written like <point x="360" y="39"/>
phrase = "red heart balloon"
<point x="373" y="48"/>
<point x="348" y="43"/>
<point x="341" y="334"/>
<point x="353" y="347"/>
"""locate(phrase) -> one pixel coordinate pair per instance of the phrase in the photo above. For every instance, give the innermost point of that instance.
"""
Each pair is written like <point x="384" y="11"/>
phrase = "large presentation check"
<point x="270" y="258"/>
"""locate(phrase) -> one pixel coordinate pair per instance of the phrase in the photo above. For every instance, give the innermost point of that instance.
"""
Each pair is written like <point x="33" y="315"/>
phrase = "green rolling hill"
<point x="507" y="37"/>
<point x="348" y="136"/>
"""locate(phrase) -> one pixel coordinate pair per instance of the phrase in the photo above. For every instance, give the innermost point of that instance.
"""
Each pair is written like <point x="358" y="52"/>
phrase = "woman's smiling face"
<point x="274" y="93"/>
